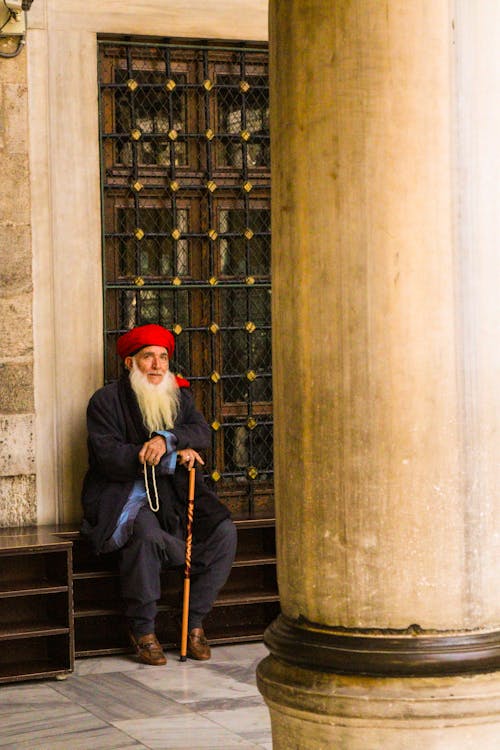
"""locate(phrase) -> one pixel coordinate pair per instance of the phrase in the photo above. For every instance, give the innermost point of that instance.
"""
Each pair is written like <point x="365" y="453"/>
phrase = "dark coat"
<point x="116" y="434"/>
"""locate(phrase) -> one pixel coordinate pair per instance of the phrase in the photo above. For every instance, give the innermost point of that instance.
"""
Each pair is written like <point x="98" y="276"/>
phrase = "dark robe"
<point x="116" y="434"/>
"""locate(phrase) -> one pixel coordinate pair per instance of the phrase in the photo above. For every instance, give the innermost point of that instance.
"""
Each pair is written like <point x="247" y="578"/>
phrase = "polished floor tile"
<point x="116" y="696"/>
<point x="53" y="728"/>
<point x="248" y="721"/>
<point x="110" y="703"/>
<point x="195" y="681"/>
<point x="187" y="731"/>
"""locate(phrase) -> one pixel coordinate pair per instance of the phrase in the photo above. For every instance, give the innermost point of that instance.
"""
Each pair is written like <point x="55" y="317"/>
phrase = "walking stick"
<point x="187" y="566"/>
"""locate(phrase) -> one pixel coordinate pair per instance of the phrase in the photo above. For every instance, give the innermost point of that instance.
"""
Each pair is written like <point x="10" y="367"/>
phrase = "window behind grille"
<point x="184" y="134"/>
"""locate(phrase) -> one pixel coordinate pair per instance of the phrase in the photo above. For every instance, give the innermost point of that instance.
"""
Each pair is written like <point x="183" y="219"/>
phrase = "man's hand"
<point x="187" y="457"/>
<point x="152" y="451"/>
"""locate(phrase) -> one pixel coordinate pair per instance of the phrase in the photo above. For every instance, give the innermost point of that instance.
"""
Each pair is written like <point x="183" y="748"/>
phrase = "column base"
<point x="383" y="653"/>
<point x="314" y="710"/>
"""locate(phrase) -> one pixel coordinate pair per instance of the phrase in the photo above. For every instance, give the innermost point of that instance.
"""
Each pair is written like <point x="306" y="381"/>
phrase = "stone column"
<point x="386" y="363"/>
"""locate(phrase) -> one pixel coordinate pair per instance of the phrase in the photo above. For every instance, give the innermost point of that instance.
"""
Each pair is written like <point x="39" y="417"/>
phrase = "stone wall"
<point x="17" y="472"/>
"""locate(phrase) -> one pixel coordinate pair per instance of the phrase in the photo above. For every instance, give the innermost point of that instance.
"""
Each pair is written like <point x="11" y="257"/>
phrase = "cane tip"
<point x="183" y="658"/>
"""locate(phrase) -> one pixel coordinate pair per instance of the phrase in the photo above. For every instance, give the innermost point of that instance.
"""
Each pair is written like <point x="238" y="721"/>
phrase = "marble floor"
<point x="114" y="702"/>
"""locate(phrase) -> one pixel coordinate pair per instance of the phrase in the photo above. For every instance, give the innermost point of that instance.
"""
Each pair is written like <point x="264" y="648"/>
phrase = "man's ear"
<point x="128" y="362"/>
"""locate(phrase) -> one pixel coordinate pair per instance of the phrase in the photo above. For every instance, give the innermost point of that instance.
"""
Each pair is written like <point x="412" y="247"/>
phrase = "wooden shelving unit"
<point x="36" y="605"/>
<point x="58" y="600"/>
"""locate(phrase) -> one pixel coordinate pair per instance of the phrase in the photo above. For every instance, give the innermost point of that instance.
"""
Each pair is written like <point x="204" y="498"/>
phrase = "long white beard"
<point x="158" y="402"/>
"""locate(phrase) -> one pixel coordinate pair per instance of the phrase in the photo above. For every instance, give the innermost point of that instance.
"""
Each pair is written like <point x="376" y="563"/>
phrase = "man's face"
<point x="152" y="361"/>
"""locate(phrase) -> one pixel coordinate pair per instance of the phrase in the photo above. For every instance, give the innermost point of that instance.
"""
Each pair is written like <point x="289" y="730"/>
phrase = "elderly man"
<point x="144" y="434"/>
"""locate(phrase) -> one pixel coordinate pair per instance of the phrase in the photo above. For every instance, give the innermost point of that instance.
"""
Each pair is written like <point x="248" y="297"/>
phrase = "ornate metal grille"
<point x="184" y="137"/>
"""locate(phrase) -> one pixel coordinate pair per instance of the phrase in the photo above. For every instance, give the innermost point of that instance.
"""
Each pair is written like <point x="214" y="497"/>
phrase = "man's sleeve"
<point x="168" y="461"/>
<point x="111" y="455"/>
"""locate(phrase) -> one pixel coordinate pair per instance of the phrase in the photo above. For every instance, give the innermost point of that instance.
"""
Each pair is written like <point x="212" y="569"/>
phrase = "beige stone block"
<point x="2" y="119"/>
<point x="76" y="244"/>
<point x="221" y="19"/>
<point x="17" y="501"/>
<point x="15" y="203"/>
<point x="16" y="335"/>
<point x="13" y="70"/>
<point x="16" y="444"/>
<point x="16" y="387"/>
<point x="15" y="242"/>
<point x="14" y="110"/>
<point x="37" y="17"/>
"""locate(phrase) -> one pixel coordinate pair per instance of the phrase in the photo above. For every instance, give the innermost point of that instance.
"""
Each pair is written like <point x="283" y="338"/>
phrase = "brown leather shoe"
<point x="197" y="645"/>
<point x="148" y="649"/>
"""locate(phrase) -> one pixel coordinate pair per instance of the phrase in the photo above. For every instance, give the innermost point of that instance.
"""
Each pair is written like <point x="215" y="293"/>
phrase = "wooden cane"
<point x="187" y="566"/>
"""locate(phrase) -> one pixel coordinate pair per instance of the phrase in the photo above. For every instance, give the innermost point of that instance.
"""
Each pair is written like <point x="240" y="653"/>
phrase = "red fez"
<point x="149" y="335"/>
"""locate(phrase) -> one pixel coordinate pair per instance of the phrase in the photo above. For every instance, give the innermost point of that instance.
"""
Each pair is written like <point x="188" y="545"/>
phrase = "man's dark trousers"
<point x="150" y="548"/>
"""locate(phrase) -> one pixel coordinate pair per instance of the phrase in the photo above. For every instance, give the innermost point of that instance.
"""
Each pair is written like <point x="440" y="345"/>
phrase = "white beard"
<point x="158" y="402"/>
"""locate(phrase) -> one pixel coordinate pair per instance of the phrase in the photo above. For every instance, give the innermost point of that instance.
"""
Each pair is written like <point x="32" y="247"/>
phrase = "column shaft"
<point x="384" y="318"/>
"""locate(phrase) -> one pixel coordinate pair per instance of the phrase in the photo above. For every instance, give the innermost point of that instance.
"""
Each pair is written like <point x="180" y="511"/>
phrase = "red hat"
<point x="149" y="335"/>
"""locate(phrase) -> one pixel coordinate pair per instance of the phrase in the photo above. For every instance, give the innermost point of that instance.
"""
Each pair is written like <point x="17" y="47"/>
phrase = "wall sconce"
<point x="13" y="23"/>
